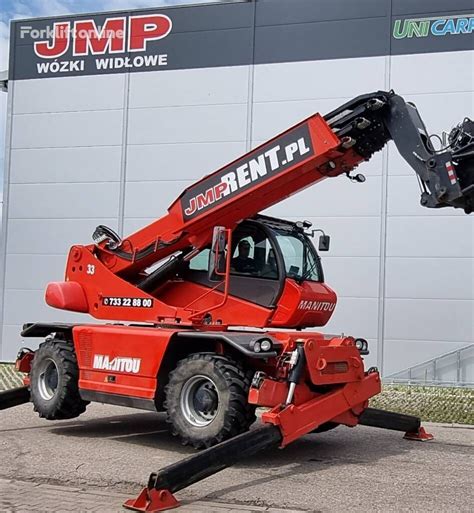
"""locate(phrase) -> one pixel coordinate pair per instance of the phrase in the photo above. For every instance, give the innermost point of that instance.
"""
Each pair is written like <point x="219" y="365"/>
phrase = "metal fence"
<point x="454" y="405"/>
<point x="455" y="368"/>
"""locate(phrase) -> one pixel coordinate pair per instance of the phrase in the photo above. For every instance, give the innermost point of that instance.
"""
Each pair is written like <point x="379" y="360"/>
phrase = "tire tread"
<point x="239" y="415"/>
<point x="69" y="403"/>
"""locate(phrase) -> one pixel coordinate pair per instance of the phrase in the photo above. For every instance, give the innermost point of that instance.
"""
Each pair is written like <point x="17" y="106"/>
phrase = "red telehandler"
<point x="208" y="303"/>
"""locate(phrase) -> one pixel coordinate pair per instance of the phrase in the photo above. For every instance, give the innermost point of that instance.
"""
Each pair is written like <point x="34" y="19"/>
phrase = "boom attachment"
<point x="446" y="176"/>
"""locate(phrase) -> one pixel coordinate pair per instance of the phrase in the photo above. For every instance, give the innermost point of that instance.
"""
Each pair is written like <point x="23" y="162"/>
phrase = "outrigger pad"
<point x="14" y="397"/>
<point x="151" y="500"/>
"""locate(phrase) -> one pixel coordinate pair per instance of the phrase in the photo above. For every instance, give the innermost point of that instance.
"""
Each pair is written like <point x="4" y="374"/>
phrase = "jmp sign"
<point x="121" y="39"/>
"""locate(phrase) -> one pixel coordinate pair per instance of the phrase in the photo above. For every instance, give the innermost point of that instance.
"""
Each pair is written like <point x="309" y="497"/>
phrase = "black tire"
<point x="224" y="410"/>
<point x="54" y="381"/>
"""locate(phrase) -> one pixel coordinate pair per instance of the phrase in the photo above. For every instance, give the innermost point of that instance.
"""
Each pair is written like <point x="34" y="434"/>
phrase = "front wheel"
<point x="54" y="381"/>
<point x="207" y="400"/>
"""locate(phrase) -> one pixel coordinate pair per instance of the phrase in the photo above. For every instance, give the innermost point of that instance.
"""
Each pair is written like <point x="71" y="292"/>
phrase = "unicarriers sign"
<point x="119" y="43"/>
<point x="457" y="25"/>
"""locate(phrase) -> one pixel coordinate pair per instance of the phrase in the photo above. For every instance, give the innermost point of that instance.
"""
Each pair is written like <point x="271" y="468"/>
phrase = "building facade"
<point x="109" y="130"/>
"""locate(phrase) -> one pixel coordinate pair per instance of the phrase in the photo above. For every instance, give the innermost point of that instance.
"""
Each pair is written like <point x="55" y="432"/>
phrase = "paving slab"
<point x="107" y="454"/>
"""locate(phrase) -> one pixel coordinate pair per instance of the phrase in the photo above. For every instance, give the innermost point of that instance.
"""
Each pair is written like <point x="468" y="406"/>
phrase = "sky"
<point x="20" y="9"/>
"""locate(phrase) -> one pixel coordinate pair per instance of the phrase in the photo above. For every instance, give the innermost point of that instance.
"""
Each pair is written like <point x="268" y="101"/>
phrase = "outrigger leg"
<point x="410" y="424"/>
<point x="14" y="397"/>
<point x="158" y="495"/>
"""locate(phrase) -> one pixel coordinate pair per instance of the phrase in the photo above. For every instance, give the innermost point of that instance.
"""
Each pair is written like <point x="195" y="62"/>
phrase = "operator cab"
<point x="264" y="253"/>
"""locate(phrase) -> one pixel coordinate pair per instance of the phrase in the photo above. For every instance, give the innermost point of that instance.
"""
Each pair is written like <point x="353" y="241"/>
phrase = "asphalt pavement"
<point x="92" y="463"/>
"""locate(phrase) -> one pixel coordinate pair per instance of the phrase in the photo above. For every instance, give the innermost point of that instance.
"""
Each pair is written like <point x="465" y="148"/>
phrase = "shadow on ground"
<point x="341" y="446"/>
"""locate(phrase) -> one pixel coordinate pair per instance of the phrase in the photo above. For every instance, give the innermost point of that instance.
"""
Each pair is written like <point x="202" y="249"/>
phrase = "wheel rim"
<point x="199" y="401"/>
<point x="48" y="379"/>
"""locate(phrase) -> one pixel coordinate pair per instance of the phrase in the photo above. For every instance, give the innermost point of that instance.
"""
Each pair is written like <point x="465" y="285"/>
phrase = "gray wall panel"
<point x="59" y="165"/>
<point x="51" y="236"/>
<point x="11" y="333"/>
<point x="413" y="74"/>
<point x="404" y="199"/>
<point x="351" y="276"/>
<point x="189" y="87"/>
<point x="84" y="93"/>
<point x="64" y="201"/>
<point x="312" y="80"/>
<point x="350" y="236"/>
<point x="271" y="118"/>
<point x="134" y="224"/>
<point x="429" y="319"/>
<point x="401" y="354"/>
<point x="424" y="278"/>
<point x="151" y="199"/>
<point x="354" y="316"/>
<point x="33" y="272"/>
<point x="182" y="161"/>
<point x="95" y="128"/>
<point x="334" y="198"/>
<point x="216" y="123"/>
<point x="433" y="236"/>
<point x="29" y="305"/>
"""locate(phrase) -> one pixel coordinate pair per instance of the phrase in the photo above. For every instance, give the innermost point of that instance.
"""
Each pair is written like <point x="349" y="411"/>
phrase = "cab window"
<point x="201" y="261"/>
<point x="252" y="253"/>
<point x="300" y="259"/>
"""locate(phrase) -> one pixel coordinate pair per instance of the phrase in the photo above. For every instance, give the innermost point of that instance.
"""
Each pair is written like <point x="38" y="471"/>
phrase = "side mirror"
<point x="324" y="242"/>
<point x="217" y="255"/>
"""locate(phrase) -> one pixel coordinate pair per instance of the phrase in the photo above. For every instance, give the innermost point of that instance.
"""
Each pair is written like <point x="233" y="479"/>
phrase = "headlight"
<point x="361" y="344"/>
<point x="266" y="344"/>
<point x="257" y="347"/>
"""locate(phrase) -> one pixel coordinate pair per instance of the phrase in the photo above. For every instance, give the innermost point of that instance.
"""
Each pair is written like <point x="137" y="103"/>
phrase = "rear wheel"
<point x="207" y="400"/>
<point x="54" y="381"/>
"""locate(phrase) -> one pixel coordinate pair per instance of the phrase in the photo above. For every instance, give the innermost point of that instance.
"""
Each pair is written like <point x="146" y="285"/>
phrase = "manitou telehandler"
<point x="208" y="303"/>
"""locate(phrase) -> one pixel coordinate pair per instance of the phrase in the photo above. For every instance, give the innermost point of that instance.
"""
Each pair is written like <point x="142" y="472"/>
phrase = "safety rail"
<point x="448" y="369"/>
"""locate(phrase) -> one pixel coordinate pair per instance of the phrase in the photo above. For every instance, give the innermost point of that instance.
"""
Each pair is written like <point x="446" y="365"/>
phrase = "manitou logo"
<point x="285" y="152"/>
<point x="118" y="364"/>
<point x="116" y="35"/>
<point x="316" y="306"/>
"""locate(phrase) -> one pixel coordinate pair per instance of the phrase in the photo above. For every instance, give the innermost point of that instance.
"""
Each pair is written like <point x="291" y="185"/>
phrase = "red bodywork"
<point x="125" y="364"/>
<point x="124" y="361"/>
<point x="103" y="273"/>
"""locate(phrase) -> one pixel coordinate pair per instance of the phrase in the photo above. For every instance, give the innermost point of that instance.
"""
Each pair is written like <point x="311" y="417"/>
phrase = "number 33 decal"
<point x="90" y="269"/>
